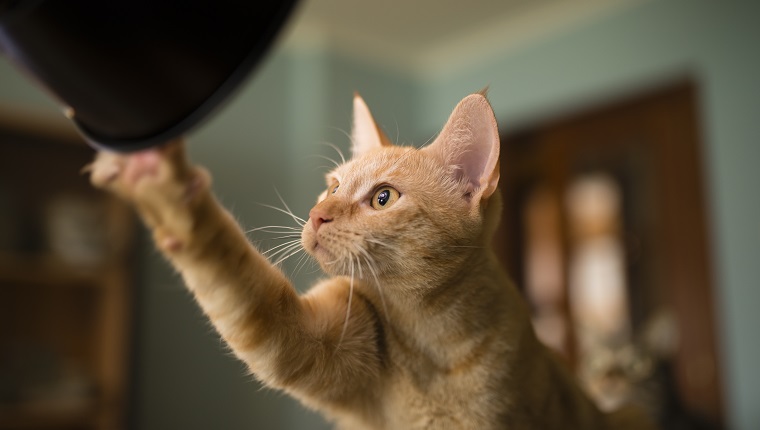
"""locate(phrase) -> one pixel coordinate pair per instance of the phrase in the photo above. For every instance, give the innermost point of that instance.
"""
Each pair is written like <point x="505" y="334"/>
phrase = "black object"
<point x="138" y="73"/>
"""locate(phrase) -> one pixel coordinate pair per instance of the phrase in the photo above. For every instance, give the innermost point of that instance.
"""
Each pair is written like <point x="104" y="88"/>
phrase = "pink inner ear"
<point x="474" y="158"/>
<point x="475" y="148"/>
<point x="469" y="145"/>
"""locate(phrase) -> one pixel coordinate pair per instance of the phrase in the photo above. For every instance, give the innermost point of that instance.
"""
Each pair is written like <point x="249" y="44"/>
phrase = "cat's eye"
<point x="333" y="188"/>
<point x="384" y="198"/>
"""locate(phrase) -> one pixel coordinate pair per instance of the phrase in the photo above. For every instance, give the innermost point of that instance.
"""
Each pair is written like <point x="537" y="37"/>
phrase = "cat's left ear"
<point x="469" y="145"/>
<point x="365" y="135"/>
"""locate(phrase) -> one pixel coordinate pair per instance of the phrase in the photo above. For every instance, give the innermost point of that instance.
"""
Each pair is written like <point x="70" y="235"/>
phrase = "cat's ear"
<point x="365" y="134"/>
<point x="469" y="145"/>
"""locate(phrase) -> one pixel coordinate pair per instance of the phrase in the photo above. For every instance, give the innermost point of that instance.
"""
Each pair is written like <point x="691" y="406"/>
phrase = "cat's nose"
<point x="318" y="217"/>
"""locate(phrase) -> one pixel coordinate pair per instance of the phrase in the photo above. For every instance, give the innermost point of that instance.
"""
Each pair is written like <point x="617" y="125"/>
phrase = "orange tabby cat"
<point x="418" y="328"/>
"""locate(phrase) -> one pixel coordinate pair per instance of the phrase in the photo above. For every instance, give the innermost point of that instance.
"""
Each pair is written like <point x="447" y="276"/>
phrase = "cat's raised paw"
<point x="122" y="173"/>
<point x="159" y="181"/>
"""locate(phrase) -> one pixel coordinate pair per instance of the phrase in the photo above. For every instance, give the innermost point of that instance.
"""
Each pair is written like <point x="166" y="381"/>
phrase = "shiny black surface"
<point x="138" y="73"/>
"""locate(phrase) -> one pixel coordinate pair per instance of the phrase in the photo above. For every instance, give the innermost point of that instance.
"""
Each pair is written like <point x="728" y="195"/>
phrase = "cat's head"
<point x="401" y="213"/>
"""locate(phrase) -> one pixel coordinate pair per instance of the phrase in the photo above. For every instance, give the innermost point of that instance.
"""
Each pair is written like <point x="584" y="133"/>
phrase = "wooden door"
<point x="605" y="228"/>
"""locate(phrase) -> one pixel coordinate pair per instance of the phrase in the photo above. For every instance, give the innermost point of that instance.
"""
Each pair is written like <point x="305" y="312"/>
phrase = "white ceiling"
<point x="433" y="36"/>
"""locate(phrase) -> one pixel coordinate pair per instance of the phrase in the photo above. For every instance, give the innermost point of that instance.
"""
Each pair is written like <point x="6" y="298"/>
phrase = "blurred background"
<point x="630" y="143"/>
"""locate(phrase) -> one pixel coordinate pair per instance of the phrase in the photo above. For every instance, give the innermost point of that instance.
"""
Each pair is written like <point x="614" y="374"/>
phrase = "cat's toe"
<point x="105" y="169"/>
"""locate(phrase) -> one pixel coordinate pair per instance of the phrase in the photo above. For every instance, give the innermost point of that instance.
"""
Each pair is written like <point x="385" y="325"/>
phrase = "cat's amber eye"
<point x="333" y="188"/>
<point x="384" y="198"/>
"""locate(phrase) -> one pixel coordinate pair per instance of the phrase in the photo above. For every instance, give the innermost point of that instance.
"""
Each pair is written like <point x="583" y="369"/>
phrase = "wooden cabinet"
<point x="65" y="292"/>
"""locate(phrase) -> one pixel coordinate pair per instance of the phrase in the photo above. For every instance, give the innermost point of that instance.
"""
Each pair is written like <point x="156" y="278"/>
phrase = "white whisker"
<point x="284" y="254"/>
<point x="284" y="244"/>
<point x="398" y="132"/>
<point x="290" y="212"/>
<point x="359" y="267"/>
<point x="345" y="133"/>
<point x="266" y="227"/>
<point x="378" y="242"/>
<point x="348" y="306"/>
<point x="371" y="266"/>
<point x="429" y="140"/>
<point x="327" y="158"/>
<point x="300" y="249"/>
<point x="283" y="247"/>
<point x="340" y="153"/>
<point x="287" y="236"/>
<point x="302" y="261"/>
<point x="296" y="218"/>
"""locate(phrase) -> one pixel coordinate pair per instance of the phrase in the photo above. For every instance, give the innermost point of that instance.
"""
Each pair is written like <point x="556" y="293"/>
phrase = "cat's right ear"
<point x="469" y="145"/>
<point x="365" y="134"/>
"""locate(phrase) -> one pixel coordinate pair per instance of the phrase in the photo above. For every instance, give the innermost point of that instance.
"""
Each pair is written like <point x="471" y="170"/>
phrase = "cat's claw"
<point x="105" y="169"/>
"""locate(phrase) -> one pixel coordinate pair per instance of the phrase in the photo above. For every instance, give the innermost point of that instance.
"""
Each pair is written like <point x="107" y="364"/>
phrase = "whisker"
<point x="340" y="153"/>
<point x="302" y="261"/>
<point x="430" y="139"/>
<point x="370" y="265"/>
<point x="300" y="249"/>
<point x="284" y="249"/>
<point x="288" y="242"/>
<point x="286" y="245"/>
<point x="270" y="239"/>
<point x="359" y="267"/>
<point x="378" y="242"/>
<point x="344" y="132"/>
<point x="292" y="233"/>
<point x="398" y="132"/>
<point x="290" y="212"/>
<point x="403" y="156"/>
<point x="348" y="307"/>
<point x="279" y="237"/>
<point x="300" y="221"/>
<point x="324" y="157"/>
<point x="264" y="228"/>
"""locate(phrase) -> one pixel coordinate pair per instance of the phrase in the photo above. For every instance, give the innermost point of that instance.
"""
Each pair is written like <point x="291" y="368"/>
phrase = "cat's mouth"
<point x="318" y="246"/>
<point x="316" y="249"/>
<point x="320" y="251"/>
<point x="324" y="256"/>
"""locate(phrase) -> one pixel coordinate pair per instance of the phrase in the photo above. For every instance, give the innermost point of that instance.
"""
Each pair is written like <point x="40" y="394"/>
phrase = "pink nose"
<point x="318" y="217"/>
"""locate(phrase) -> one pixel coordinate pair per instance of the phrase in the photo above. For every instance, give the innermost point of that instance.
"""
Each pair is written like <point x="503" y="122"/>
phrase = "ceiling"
<point x="410" y="24"/>
<point x="418" y="36"/>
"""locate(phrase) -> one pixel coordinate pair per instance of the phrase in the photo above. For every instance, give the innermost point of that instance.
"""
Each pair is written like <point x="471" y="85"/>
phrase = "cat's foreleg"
<point x="291" y="342"/>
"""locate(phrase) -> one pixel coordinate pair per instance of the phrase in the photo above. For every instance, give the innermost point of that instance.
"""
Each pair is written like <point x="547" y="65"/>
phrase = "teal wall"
<point x="265" y="138"/>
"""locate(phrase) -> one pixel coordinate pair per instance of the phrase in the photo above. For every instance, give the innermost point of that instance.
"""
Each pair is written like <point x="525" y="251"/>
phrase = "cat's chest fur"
<point x="441" y="379"/>
<point x="421" y="395"/>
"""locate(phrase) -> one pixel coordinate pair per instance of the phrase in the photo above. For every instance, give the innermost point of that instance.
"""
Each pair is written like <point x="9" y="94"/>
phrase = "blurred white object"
<point x="75" y="230"/>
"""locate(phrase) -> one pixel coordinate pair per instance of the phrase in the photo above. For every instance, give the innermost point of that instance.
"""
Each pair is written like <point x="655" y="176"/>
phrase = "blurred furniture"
<point x="605" y="228"/>
<point x="65" y="294"/>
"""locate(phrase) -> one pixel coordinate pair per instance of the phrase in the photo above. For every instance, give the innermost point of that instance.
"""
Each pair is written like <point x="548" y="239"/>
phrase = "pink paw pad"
<point x="171" y="244"/>
<point x="141" y="164"/>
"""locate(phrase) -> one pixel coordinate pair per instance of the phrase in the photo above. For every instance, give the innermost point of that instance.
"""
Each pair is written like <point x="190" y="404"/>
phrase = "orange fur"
<point x="437" y="338"/>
